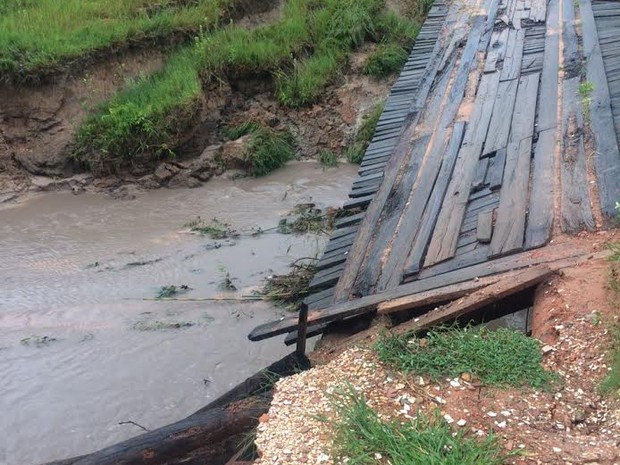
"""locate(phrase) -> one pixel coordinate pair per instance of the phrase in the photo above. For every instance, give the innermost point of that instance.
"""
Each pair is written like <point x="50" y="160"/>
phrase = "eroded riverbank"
<point x="75" y="269"/>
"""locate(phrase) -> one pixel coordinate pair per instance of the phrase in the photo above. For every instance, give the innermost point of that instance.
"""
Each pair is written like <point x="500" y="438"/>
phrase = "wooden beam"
<point x="510" y="225"/>
<point x="607" y="158"/>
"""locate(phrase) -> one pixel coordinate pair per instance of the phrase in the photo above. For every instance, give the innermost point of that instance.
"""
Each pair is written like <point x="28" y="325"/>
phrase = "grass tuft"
<point x="268" y="150"/>
<point x="328" y="158"/>
<point x="355" y="153"/>
<point x="501" y="358"/>
<point x="215" y="228"/>
<point x="242" y="130"/>
<point x="385" y="60"/>
<point x="611" y="384"/>
<point x="365" y="439"/>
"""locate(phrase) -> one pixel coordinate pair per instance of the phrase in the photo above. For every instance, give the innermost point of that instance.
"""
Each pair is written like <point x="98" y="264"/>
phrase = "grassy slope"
<point x="37" y="36"/>
<point x="305" y="49"/>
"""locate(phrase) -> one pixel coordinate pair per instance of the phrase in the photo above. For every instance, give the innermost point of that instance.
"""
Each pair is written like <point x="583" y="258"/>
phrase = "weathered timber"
<point x="495" y="171"/>
<point x="204" y="433"/>
<point x="392" y="168"/>
<point x="385" y="228"/>
<point x="499" y="128"/>
<point x="575" y="200"/>
<point x="480" y="175"/>
<point x="443" y="243"/>
<point x="469" y="255"/>
<point x="484" y="228"/>
<point x="510" y="225"/>
<point x="556" y="256"/>
<point x="444" y="294"/>
<point x="476" y="300"/>
<point x="541" y="203"/>
<point x="514" y="55"/>
<point x="433" y="206"/>
<point x="607" y="159"/>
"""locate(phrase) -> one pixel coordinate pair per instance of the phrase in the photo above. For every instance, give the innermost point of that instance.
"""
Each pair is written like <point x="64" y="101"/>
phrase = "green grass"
<point x="236" y="132"/>
<point x="39" y="36"/>
<point x="268" y="150"/>
<point x="305" y="51"/>
<point x="385" y="60"/>
<point x="611" y="383"/>
<point x="501" y="358"/>
<point x="360" y="435"/>
<point x="327" y="158"/>
<point x="355" y="152"/>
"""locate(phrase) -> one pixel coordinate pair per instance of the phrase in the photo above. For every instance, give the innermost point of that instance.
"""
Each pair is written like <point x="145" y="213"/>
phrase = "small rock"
<point x="557" y="450"/>
<point x="461" y="422"/>
<point x="492" y="414"/>
<point x="547" y="349"/>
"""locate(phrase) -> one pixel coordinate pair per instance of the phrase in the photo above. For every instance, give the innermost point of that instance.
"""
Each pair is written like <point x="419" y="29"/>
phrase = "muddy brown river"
<point x="82" y="351"/>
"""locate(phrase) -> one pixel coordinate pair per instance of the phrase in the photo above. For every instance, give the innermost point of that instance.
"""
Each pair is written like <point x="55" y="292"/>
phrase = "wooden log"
<point x="556" y="256"/>
<point x="476" y="300"/>
<point x="607" y="159"/>
<point x="233" y="413"/>
<point x="445" y="236"/>
<point x="510" y="225"/>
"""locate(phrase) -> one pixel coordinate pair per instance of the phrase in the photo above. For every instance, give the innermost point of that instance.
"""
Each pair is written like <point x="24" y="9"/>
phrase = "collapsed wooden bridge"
<point x="500" y="133"/>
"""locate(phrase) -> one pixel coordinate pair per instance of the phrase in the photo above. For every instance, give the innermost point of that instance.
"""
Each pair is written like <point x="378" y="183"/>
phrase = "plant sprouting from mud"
<point x="215" y="228"/>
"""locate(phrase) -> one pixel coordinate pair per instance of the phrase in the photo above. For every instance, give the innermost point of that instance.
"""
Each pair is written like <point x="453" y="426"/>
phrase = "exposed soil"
<point x="571" y="423"/>
<point x="38" y="124"/>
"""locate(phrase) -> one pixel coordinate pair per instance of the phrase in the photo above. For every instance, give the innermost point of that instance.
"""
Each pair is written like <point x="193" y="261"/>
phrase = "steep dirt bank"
<point x="38" y="125"/>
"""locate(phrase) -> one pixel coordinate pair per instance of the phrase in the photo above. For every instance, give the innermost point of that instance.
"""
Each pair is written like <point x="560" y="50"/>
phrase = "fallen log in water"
<point x="208" y="435"/>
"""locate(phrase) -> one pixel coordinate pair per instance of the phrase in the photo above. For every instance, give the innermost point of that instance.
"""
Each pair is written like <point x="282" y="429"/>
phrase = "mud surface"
<point x="80" y="351"/>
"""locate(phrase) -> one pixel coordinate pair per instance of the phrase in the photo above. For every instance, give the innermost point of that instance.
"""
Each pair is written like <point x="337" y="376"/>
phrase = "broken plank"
<point x="499" y="128"/>
<point x="541" y="204"/>
<point x="510" y="225"/>
<point x="495" y="171"/>
<point x="476" y="300"/>
<point x="445" y="236"/>
<point x="557" y="257"/>
<point x="484" y="228"/>
<point x="480" y="175"/>
<point x="514" y="55"/>
<point x="433" y="206"/>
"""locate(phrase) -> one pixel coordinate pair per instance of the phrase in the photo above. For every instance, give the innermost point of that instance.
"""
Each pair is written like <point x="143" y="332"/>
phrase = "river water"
<point x="81" y="351"/>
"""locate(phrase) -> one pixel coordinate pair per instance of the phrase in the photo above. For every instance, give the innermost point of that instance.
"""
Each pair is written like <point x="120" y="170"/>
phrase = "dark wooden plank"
<point x="499" y="128"/>
<point x="484" y="228"/>
<point x="348" y="220"/>
<point x="510" y="224"/>
<point x="476" y="300"/>
<point x="541" y="204"/>
<point x="445" y="236"/>
<point x="359" y="202"/>
<point x="474" y="254"/>
<point x="495" y="172"/>
<point x="575" y="202"/>
<point x="514" y="55"/>
<point x="328" y="262"/>
<point x="340" y="242"/>
<point x="607" y="159"/>
<point x="431" y="212"/>
<point x="318" y="296"/>
<point x="556" y="256"/>
<point x="480" y="175"/>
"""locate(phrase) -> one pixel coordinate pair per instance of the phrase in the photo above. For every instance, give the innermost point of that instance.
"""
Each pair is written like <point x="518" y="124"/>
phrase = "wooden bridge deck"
<point x="501" y="132"/>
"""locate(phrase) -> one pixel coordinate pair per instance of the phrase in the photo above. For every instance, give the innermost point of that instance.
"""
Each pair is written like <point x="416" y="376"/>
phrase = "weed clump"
<point x="360" y="434"/>
<point x="161" y="325"/>
<point x="385" y="60"/>
<point x="502" y="358"/>
<point x="215" y="228"/>
<point x="355" y="153"/>
<point x="268" y="150"/>
<point x="290" y="289"/>
<point x="328" y="158"/>
<point x="306" y="219"/>
<point x="38" y="341"/>
<point x="171" y="291"/>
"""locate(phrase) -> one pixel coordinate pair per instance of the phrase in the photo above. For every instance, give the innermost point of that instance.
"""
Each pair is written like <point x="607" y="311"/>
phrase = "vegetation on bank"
<point x="304" y="51"/>
<point x="42" y="36"/>
<point x="356" y="151"/>
<point x="364" y="438"/>
<point x="501" y="358"/>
